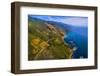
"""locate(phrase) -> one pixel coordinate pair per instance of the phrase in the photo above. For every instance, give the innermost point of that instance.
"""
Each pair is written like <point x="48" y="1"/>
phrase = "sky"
<point x="71" y="20"/>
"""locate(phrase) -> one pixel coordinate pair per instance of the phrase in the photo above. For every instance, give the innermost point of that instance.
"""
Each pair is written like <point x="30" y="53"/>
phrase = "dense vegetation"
<point x="45" y="41"/>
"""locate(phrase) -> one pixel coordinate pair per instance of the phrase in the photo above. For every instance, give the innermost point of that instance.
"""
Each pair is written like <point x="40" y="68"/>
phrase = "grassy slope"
<point x="56" y="49"/>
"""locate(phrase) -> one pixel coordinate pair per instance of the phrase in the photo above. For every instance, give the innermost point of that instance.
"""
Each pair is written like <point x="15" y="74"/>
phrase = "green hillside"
<point x="45" y="41"/>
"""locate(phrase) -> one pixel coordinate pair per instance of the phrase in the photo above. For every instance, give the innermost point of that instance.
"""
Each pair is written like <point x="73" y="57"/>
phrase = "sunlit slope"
<point x="45" y="41"/>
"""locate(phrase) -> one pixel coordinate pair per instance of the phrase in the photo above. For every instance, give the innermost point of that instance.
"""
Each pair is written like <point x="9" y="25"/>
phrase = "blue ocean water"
<point x="80" y="41"/>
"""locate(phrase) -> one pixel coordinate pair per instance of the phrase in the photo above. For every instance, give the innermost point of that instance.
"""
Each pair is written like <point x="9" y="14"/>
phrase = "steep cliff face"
<point x="45" y="41"/>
